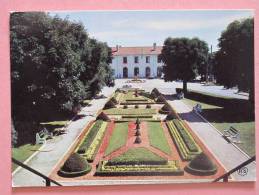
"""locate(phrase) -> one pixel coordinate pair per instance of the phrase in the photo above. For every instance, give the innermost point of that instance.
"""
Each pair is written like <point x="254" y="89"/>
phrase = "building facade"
<point x="141" y="62"/>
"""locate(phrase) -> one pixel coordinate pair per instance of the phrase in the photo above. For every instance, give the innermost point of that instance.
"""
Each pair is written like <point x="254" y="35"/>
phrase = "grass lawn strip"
<point x="118" y="137"/>
<point x="157" y="137"/>
<point x="130" y="111"/>
<point x="137" y="156"/>
<point x="93" y="148"/>
<point x="246" y="128"/>
<point x="22" y="153"/>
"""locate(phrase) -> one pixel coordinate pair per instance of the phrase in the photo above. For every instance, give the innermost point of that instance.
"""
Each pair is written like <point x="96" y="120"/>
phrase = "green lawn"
<point x="23" y="152"/>
<point x="118" y="137"/>
<point x="137" y="156"/>
<point x="222" y="118"/>
<point x="130" y="111"/>
<point x="157" y="137"/>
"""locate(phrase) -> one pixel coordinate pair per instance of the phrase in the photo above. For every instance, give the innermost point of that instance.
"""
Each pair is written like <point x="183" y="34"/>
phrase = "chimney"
<point x="154" y="46"/>
<point x="117" y="47"/>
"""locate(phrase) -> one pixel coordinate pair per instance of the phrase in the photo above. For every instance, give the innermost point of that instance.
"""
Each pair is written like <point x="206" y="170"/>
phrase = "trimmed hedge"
<point x="87" y="141"/>
<point x="201" y="165"/>
<point x="188" y="140"/>
<point x="74" y="166"/>
<point x="183" y="150"/>
<point x="170" y="168"/>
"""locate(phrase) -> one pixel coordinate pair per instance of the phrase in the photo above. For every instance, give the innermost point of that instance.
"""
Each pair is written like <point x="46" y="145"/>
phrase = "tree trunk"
<point x="184" y="86"/>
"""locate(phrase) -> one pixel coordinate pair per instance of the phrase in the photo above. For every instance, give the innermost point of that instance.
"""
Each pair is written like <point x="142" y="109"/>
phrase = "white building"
<point x="142" y="62"/>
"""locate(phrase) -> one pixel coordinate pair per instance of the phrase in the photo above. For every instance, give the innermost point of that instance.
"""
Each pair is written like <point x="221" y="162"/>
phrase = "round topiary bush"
<point x="136" y="106"/>
<point x="171" y="116"/>
<point x="125" y="106"/>
<point x="201" y="165"/>
<point x="75" y="166"/>
<point x="148" y="106"/>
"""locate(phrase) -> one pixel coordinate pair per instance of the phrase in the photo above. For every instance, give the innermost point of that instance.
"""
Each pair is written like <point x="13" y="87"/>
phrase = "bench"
<point x="197" y="108"/>
<point x="233" y="134"/>
<point x="42" y="136"/>
<point x="180" y="95"/>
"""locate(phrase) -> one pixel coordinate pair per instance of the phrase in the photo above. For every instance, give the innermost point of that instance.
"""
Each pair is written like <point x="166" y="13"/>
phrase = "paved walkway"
<point x="44" y="162"/>
<point x="226" y="153"/>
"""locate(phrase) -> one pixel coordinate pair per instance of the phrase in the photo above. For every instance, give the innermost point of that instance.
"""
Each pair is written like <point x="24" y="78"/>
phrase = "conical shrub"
<point x="109" y="104"/>
<point x="114" y="100"/>
<point x="137" y="140"/>
<point x="171" y="116"/>
<point x="165" y="109"/>
<point x="161" y="99"/>
<point x="138" y="132"/>
<point x="103" y="116"/>
<point x="137" y="126"/>
<point x="201" y="165"/>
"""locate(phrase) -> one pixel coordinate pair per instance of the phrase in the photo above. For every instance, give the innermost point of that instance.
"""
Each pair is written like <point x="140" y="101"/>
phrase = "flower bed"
<point x="93" y="148"/>
<point x="89" y="137"/>
<point x="184" y="151"/>
<point x="170" y="168"/>
<point x="130" y="111"/>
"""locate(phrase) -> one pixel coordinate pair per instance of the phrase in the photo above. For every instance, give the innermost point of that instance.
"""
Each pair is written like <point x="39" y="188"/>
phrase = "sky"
<point x="143" y="28"/>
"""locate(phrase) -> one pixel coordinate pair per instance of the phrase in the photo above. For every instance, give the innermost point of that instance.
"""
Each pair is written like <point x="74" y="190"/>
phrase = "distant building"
<point x="142" y="62"/>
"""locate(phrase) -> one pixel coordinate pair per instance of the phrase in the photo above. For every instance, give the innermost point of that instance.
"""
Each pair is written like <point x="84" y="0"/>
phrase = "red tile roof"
<point x="136" y="51"/>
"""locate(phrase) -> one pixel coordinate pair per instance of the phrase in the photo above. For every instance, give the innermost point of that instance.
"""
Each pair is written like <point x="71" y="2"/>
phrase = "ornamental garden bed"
<point x="167" y="148"/>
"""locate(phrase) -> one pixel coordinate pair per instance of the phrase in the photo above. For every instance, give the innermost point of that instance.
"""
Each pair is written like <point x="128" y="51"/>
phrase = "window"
<point x="147" y="59"/>
<point x="136" y="59"/>
<point x="159" y="60"/>
<point x="124" y="60"/>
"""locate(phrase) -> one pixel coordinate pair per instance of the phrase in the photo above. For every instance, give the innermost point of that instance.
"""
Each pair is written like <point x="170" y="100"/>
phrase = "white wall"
<point x="118" y="65"/>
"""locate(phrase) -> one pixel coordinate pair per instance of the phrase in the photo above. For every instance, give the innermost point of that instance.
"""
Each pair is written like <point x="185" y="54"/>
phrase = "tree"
<point x="182" y="58"/>
<point x="234" y="61"/>
<point x="55" y="65"/>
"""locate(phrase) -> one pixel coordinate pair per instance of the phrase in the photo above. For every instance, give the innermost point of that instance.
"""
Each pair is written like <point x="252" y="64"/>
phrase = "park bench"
<point x="180" y="95"/>
<point x="42" y="136"/>
<point x="197" y="108"/>
<point x="233" y="134"/>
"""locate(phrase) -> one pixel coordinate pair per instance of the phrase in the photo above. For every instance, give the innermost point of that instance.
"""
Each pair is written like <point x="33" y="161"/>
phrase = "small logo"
<point x="243" y="171"/>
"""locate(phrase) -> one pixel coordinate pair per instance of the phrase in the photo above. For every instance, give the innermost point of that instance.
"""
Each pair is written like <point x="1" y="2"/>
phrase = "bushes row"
<point x="170" y="168"/>
<point x="187" y="138"/>
<point x="87" y="141"/>
<point x="92" y="150"/>
<point x="184" y="152"/>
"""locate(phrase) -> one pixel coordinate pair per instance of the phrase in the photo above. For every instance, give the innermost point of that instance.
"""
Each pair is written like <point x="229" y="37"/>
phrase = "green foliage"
<point x="118" y="138"/>
<point x="201" y="165"/>
<point x="90" y="136"/>
<point x="188" y="140"/>
<point x="54" y="66"/>
<point x="74" y="166"/>
<point x="234" y="61"/>
<point x="170" y="168"/>
<point x="183" y="57"/>
<point x="14" y="135"/>
<point x="157" y="137"/>
<point x="130" y="111"/>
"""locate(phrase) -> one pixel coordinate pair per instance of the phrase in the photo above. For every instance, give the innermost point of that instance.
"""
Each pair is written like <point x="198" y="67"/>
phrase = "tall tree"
<point x="183" y="58"/>
<point x="54" y="66"/>
<point x="234" y="61"/>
